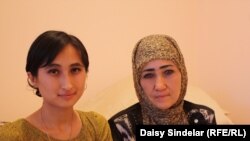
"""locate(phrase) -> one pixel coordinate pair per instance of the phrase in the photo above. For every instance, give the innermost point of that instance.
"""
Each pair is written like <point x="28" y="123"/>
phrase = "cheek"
<point x="81" y="81"/>
<point x="46" y="83"/>
<point x="176" y="85"/>
<point x="46" y="87"/>
<point x="147" y="87"/>
<point x="44" y="80"/>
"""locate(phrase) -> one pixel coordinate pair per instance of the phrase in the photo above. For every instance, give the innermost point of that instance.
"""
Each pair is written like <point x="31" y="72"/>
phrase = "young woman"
<point x="160" y="81"/>
<point x="57" y="66"/>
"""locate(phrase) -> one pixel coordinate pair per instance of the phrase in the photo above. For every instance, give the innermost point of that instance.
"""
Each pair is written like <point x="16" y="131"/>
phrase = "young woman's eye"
<point x="53" y="71"/>
<point x="75" y="70"/>
<point x="148" y="75"/>
<point x="168" y="72"/>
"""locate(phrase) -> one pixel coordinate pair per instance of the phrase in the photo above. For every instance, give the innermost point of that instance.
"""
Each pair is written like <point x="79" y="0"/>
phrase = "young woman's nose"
<point x="160" y="83"/>
<point x="66" y="82"/>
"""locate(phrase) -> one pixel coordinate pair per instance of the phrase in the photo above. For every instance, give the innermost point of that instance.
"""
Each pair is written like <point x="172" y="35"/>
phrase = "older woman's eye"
<point x="148" y="75"/>
<point x="168" y="72"/>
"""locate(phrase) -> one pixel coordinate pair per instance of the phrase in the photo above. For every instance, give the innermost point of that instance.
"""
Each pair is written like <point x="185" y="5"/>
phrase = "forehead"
<point x="67" y="54"/>
<point x="158" y="63"/>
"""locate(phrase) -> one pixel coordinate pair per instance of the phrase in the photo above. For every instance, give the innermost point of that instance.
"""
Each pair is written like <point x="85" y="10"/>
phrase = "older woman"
<point x="160" y="81"/>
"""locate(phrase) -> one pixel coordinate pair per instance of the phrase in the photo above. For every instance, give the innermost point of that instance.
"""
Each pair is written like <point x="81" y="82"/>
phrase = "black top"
<point x="123" y="123"/>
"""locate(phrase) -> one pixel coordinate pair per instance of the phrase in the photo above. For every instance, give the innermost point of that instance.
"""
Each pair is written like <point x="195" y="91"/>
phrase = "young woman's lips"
<point x="66" y="96"/>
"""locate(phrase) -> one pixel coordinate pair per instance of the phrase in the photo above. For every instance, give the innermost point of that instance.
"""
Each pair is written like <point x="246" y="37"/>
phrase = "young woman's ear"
<point x="31" y="79"/>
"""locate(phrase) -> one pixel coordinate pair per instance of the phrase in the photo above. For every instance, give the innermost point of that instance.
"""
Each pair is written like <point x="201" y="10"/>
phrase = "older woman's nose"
<point x="160" y="83"/>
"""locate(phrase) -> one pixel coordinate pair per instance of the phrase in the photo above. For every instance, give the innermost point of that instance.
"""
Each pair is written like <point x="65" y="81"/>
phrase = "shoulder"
<point x="123" y="123"/>
<point x="92" y="118"/>
<point x="133" y="110"/>
<point x="199" y="114"/>
<point x="95" y="124"/>
<point x="12" y="130"/>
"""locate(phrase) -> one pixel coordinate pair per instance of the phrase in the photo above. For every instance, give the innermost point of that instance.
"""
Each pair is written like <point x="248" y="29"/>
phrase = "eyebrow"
<point x="161" y="67"/>
<point x="72" y="65"/>
<point x="77" y="65"/>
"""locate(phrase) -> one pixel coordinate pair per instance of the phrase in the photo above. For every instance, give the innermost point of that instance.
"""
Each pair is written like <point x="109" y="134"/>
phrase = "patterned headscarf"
<point x="150" y="48"/>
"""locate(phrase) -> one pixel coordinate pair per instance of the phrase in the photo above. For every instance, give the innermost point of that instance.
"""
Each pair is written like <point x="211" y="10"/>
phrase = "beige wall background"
<point x="213" y="36"/>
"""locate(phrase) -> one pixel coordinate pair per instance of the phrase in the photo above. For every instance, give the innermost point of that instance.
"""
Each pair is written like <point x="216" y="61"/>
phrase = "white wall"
<point x="213" y="36"/>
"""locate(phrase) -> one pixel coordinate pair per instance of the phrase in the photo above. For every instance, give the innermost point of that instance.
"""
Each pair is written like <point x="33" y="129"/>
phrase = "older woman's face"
<point x="161" y="83"/>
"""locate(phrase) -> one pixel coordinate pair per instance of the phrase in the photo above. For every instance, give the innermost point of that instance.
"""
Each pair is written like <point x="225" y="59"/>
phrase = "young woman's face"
<point x="161" y="83"/>
<point x="62" y="82"/>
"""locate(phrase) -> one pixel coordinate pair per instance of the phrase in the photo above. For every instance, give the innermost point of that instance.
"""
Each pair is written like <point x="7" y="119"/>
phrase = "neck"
<point x="55" y="115"/>
<point x="57" y="122"/>
<point x="152" y="115"/>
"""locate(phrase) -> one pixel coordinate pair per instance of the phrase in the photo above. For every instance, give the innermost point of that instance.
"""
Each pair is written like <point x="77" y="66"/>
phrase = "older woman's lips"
<point x="162" y="97"/>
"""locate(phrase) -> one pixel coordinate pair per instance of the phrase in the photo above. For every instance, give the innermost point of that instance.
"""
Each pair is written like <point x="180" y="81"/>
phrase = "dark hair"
<point x="47" y="46"/>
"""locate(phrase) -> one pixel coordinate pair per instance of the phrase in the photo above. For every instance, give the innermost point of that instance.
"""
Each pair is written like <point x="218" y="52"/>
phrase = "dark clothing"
<point x="123" y="123"/>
